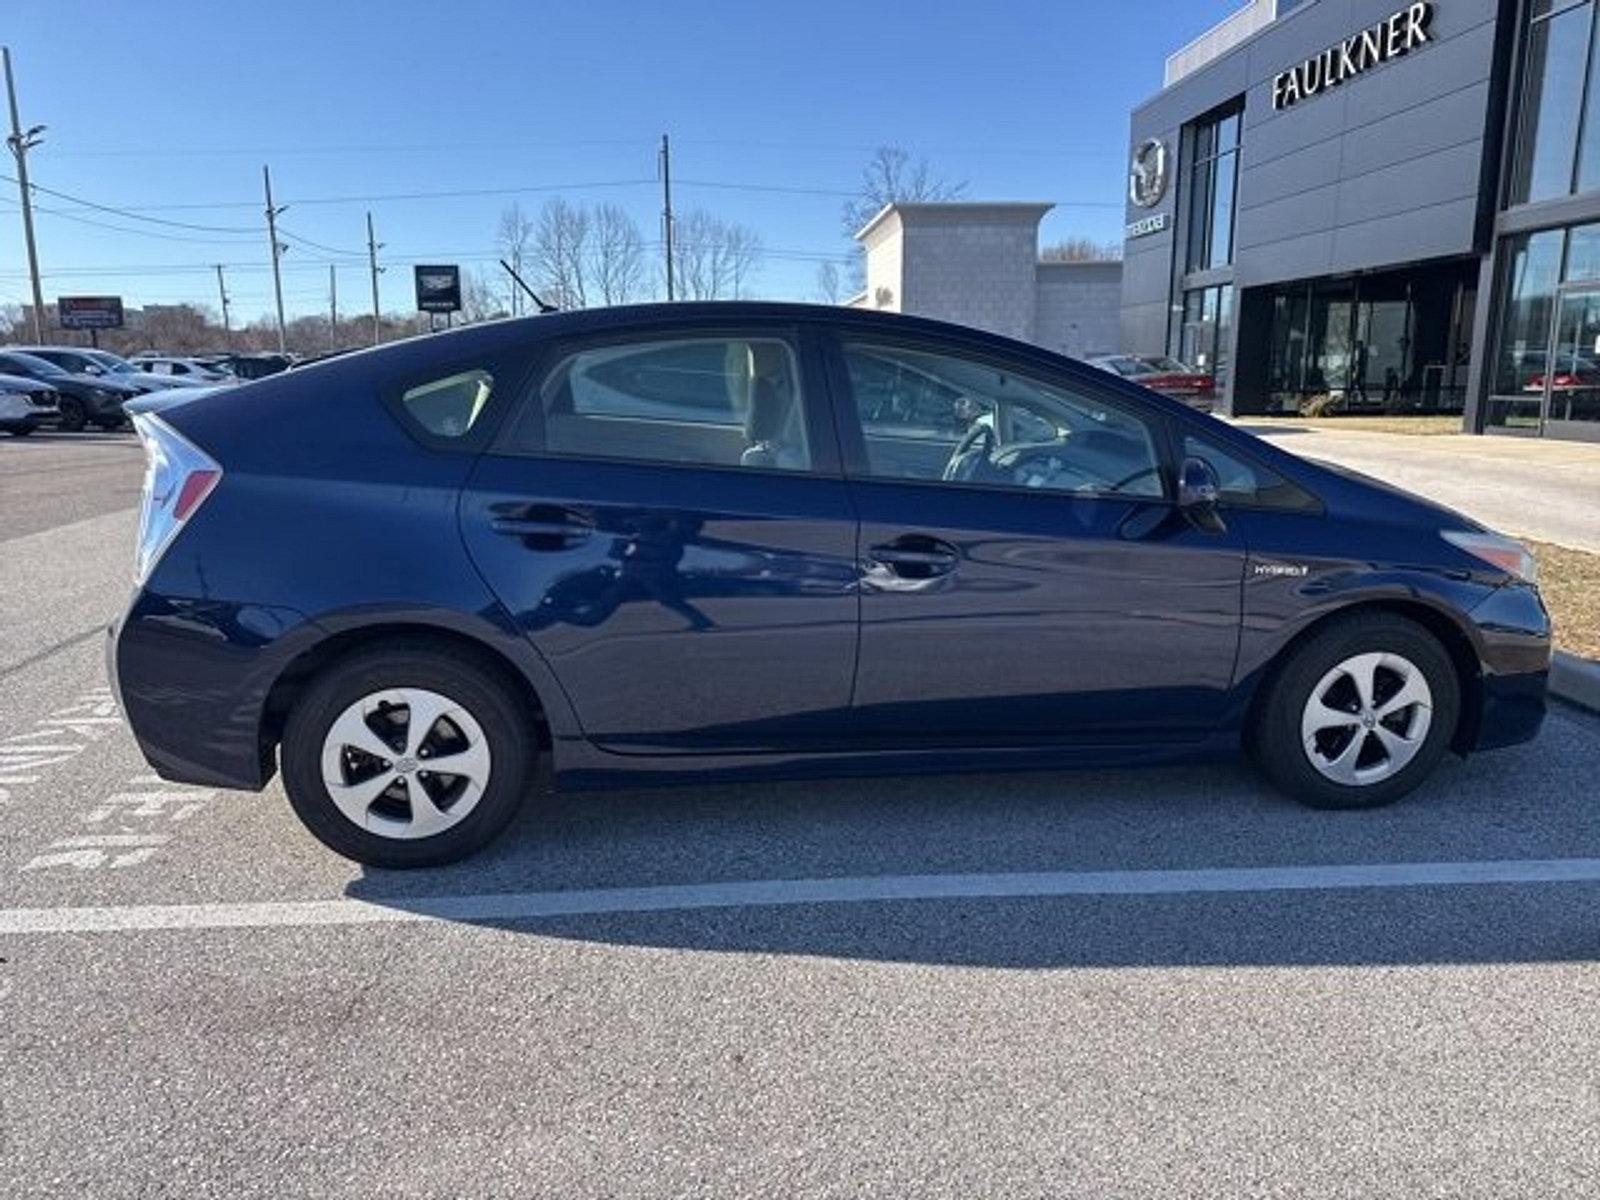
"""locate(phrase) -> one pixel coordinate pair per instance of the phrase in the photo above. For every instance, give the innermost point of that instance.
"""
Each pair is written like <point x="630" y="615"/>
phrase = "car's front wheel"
<point x="407" y="756"/>
<point x="73" y="414"/>
<point x="1360" y="715"/>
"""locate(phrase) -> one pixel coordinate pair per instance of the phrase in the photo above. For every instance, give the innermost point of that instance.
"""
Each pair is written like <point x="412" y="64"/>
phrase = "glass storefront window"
<point x="1212" y="182"/>
<point x="1583" y="254"/>
<point x="1554" y="67"/>
<point x="1203" y="339"/>
<point x="1533" y="270"/>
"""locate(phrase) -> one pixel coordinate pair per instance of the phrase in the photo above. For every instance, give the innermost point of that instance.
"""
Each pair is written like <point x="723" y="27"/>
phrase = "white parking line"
<point x="515" y="906"/>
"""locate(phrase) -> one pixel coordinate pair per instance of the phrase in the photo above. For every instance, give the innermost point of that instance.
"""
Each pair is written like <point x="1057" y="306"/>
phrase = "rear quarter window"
<point x="450" y="406"/>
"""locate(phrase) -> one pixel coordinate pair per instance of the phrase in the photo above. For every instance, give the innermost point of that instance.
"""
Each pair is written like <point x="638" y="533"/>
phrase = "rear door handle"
<point x="545" y="526"/>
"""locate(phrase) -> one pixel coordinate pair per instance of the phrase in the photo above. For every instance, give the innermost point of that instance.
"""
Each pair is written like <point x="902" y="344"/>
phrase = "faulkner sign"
<point x="89" y="312"/>
<point x="1395" y="35"/>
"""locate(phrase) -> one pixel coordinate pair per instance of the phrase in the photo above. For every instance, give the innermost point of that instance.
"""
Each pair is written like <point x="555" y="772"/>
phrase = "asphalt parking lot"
<point x="1165" y="982"/>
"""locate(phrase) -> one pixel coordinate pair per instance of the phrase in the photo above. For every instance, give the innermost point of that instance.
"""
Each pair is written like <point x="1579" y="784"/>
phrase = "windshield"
<point x="111" y="362"/>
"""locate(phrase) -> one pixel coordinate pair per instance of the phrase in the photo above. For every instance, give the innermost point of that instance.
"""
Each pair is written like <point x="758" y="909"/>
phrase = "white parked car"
<point x="187" y="370"/>
<point x="25" y="404"/>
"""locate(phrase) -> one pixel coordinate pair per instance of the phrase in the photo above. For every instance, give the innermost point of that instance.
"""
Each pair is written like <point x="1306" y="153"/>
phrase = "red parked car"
<point x="1168" y="376"/>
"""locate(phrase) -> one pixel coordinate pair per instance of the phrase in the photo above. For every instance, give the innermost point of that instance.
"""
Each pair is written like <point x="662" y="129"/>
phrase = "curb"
<point x="1575" y="680"/>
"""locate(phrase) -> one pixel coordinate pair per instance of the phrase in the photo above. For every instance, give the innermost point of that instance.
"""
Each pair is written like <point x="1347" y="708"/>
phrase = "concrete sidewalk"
<point x="1547" y="490"/>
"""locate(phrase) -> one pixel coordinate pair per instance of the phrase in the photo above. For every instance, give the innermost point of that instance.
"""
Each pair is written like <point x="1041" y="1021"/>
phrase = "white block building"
<point x="978" y="264"/>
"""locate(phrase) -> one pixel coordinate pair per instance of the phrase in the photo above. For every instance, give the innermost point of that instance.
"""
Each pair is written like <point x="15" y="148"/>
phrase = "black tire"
<point x="19" y="430"/>
<point x="476" y="686"/>
<point x="74" y="414"/>
<point x="110" y="426"/>
<point x="1275" y="741"/>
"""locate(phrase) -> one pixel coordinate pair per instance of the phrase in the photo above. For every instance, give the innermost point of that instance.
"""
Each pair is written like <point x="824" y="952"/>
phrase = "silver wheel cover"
<point x="1367" y="718"/>
<point x="405" y="763"/>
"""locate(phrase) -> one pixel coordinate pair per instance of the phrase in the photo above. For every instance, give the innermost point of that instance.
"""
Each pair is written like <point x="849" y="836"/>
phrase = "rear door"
<point x="1026" y="577"/>
<point x="667" y="522"/>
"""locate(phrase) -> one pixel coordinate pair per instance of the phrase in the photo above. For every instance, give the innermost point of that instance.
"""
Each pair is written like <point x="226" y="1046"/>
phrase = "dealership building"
<point x="1361" y="204"/>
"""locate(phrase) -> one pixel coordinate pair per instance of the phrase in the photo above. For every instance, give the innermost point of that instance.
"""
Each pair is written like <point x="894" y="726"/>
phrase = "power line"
<point x="128" y="212"/>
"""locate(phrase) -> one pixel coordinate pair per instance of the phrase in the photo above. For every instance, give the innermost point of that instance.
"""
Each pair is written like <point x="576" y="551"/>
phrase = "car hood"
<point x="1389" y="496"/>
<point x="104" y="382"/>
<point x="23" y="383"/>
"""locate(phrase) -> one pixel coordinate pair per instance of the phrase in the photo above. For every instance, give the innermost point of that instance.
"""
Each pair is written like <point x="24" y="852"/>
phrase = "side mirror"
<point x="1198" y="491"/>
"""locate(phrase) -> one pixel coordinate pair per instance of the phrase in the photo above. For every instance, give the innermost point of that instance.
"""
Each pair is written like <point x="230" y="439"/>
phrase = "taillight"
<point x="178" y="476"/>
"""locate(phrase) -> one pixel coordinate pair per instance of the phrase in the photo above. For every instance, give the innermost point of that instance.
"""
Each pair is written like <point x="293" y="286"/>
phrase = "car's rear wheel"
<point x="73" y="415"/>
<point x="19" y="430"/>
<point x="406" y="756"/>
<point x="1360" y="715"/>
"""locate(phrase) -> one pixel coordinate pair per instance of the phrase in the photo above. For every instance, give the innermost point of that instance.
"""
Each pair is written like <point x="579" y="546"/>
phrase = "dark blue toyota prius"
<point x="741" y="539"/>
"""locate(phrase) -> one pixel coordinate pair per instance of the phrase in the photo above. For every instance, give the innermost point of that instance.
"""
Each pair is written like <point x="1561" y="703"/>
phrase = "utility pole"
<point x="666" y="208"/>
<point x="222" y="294"/>
<point x="277" y="252"/>
<point x="20" y="144"/>
<point x="372" y="263"/>
<point x="333" y="307"/>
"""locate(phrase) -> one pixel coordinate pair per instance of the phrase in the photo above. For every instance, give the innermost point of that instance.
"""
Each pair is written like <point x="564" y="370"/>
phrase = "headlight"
<point x="1508" y="554"/>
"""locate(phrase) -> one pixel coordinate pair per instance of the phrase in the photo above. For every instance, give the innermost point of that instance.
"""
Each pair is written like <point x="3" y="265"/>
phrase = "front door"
<point x="1025" y="578"/>
<point x="666" y="522"/>
<point x="1570" y="404"/>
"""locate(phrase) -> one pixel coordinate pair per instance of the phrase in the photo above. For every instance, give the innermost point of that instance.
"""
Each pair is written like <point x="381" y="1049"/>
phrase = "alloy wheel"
<point x="405" y="763"/>
<point x="1367" y="718"/>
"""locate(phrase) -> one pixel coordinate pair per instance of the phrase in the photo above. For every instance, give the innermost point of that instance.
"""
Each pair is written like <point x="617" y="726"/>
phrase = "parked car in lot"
<point x="249" y="366"/>
<point x="187" y="370"/>
<point x="102" y="364"/>
<point x="25" y="405"/>
<point x="82" y="400"/>
<point x="680" y="541"/>
<point x="1197" y="389"/>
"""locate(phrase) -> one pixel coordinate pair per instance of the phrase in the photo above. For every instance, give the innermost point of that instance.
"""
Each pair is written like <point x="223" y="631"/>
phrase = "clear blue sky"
<point x="159" y="104"/>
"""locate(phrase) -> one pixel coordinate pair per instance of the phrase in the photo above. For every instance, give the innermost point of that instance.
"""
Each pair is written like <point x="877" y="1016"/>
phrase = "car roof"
<point x="506" y="333"/>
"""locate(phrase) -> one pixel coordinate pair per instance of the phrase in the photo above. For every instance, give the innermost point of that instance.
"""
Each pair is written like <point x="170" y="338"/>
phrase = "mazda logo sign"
<point x="1147" y="174"/>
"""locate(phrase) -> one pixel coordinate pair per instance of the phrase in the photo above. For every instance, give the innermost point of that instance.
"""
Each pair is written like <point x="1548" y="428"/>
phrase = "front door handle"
<point x="916" y="556"/>
<point x="543" y="526"/>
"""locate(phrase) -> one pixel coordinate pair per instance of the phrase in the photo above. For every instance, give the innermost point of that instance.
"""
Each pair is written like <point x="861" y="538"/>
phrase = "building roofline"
<point x="1016" y="209"/>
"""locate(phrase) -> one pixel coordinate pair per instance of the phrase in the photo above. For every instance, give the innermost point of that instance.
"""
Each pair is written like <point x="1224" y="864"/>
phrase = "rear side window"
<point x="450" y="406"/>
<point x="1249" y="483"/>
<point x="714" y="401"/>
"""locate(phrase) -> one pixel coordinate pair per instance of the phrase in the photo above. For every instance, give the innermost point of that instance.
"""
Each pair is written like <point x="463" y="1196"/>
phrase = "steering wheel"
<point x="1016" y="462"/>
<point x="956" y="466"/>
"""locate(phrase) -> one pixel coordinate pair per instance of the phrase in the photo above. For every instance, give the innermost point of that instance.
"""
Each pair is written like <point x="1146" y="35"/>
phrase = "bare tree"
<point x="892" y="176"/>
<point x="560" y="244"/>
<point x="1081" y="249"/>
<point x="618" y="256"/>
<point x="714" y="259"/>
<point x="478" y="299"/>
<point x="829" y="287"/>
<point x="512" y="239"/>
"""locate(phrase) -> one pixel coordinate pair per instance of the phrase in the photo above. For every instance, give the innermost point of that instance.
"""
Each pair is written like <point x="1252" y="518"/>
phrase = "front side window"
<point x="713" y="401"/>
<point x="936" y="417"/>
<point x="1245" y="482"/>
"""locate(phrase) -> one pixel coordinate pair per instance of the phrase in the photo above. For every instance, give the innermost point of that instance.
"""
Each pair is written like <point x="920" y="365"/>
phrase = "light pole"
<point x="21" y="142"/>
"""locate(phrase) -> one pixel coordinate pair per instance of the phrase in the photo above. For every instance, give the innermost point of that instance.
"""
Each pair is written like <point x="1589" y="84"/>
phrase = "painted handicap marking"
<point x="56" y="738"/>
<point x="104" y="850"/>
<point x="125" y="827"/>
<point x="137" y="816"/>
